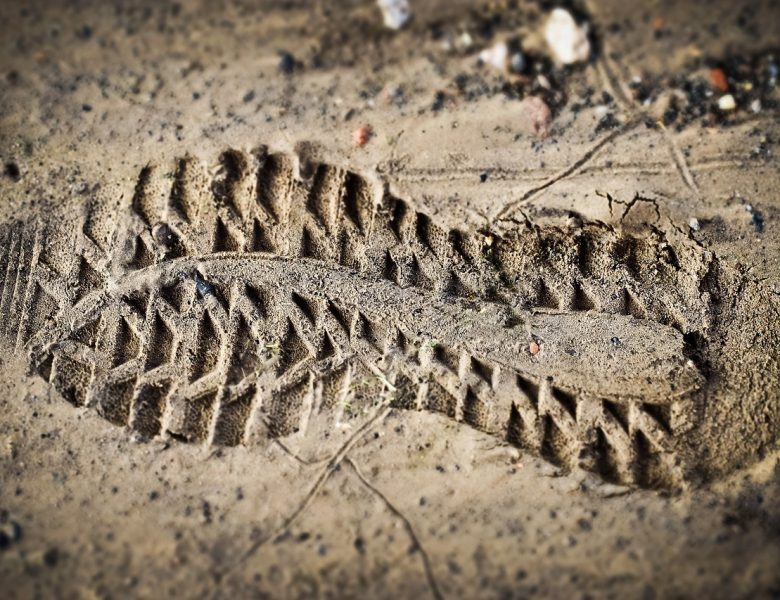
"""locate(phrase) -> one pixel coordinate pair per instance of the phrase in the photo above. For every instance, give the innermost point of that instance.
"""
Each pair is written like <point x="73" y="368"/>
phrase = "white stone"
<point x="395" y="12"/>
<point x="694" y="224"/>
<point x="543" y="81"/>
<point x="727" y="102"/>
<point x="568" y="41"/>
<point x="495" y="56"/>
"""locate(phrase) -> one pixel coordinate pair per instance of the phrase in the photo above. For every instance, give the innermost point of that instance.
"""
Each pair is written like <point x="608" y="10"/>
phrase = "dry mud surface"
<point x="242" y="355"/>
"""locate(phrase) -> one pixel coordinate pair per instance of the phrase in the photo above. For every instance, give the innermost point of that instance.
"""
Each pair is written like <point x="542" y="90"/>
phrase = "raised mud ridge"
<point x="268" y="297"/>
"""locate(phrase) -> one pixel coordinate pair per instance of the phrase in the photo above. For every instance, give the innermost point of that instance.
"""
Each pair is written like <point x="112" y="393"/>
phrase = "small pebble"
<point x="361" y="135"/>
<point x="718" y="79"/>
<point x="694" y="224"/>
<point x="495" y="56"/>
<point x="758" y="221"/>
<point x="568" y="41"/>
<point x="51" y="556"/>
<point x="517" y="63"/>
<point x="536" y="116"/>
<point x="11" y="170"/>
<point x="395" y="13"/>
<point x="465" y="41"/>
<point x="439" y="99"/>
<point x="163" y="234"/>
<point x="534" y="348"/>
<point x="542" y="81"/>
<point x="10" y="532"/>
<point x="286" y="63"/>
<point x="203" y="288"/>
<point x="727" y="102"/>
<point x="84" y="33"/>
<point x="774" y="72"/>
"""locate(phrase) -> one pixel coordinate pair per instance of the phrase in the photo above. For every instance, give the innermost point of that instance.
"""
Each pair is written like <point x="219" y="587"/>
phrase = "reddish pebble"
<point x="533" y="348"/>
<point x="658" y="23"/>
<point x="718" y="80"/>
<point x="536" y="116"/>
<point x="361" y="135"/>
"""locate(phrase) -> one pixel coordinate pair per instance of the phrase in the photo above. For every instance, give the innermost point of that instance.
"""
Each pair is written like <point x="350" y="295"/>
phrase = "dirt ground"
<point x="295" y="305"/>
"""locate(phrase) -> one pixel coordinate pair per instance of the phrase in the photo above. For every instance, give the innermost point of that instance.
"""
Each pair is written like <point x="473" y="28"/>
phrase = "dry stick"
<point x="413" y="175"/>
<point x="622" y="96"/>
<point x="652" y="168"/>
<point x="287" y="450"/>
<point x="571" y="169"/>
<point x="410" y="530"/>
<point x="678" y="158"/>
<point x="615" y="83"/>
<point x="679" y="162"/>
<point x="332" y="465"/>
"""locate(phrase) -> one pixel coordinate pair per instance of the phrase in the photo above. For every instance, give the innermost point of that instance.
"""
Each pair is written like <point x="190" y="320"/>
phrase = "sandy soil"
<point x="483" y="354"/>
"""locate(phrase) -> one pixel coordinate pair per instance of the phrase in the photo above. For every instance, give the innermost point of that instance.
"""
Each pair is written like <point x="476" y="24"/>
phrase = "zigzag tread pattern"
<point x="225" y="314"/>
